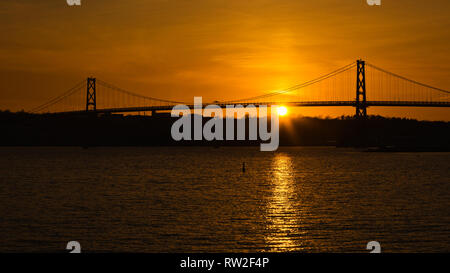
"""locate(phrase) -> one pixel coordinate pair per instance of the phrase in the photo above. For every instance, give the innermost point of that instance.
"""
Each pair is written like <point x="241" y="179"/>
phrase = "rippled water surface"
<point x="199" y="200"/>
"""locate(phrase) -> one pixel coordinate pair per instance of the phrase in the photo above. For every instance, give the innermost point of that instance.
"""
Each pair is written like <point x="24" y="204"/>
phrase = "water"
<point x="198" y="200"/>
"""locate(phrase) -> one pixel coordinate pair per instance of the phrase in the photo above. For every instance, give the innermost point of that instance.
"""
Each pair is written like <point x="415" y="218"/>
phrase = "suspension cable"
<point x="58" y="98"/>
<point x="409" y="80"/>
<point x="108" y="85"/>
<point x="298" y="86"/>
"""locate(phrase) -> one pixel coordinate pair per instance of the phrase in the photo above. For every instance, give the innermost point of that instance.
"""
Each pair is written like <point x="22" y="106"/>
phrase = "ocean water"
<point x="191" y="199"/>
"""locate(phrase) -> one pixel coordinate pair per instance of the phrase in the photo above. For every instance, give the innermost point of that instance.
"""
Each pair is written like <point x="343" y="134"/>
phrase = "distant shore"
<point x="374" y="134"/>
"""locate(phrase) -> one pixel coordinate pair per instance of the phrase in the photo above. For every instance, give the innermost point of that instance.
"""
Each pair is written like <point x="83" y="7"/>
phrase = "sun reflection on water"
<point x="282" y="217"/>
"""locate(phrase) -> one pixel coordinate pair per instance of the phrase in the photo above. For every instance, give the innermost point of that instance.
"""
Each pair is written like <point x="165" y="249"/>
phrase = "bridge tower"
<point x="361" y="106"/>
<point x="91" y="96"/>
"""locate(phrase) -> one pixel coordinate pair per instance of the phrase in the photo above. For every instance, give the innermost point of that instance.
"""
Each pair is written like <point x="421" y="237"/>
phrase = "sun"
<point x="282" y="111"/>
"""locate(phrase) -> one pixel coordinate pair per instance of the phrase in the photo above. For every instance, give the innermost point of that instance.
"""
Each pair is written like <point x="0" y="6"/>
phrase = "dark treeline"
<point x="23" y="129"/>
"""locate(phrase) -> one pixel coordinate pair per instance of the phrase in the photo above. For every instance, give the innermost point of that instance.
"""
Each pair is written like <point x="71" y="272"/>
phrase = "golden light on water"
<point x="281" y="210"/>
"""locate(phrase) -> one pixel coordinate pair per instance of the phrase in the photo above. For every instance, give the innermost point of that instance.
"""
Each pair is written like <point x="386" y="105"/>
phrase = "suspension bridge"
<point x="359" y="85"/>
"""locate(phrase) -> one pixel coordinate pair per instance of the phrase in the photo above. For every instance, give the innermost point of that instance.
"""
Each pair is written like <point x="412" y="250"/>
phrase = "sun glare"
<point x="282" y="111"/>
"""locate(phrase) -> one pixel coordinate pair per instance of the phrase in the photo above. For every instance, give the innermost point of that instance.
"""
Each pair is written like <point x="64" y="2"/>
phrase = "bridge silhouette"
<point x="360" y="85"/>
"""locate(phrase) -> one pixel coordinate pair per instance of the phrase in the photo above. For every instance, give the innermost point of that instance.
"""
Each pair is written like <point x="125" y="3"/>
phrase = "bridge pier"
<point x="91" y="96"/>
<point x="361" y="105"/>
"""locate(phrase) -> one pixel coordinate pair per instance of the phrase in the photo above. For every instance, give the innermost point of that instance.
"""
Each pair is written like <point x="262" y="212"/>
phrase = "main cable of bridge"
<point x="108" y="85"/>
<point x="295" y="87"/>
<point x="57" y="99"/>
<point x="406" y="79"/>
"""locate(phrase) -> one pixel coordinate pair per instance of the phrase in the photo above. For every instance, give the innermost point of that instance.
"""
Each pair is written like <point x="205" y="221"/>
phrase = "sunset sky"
<point x="218" y="49"/>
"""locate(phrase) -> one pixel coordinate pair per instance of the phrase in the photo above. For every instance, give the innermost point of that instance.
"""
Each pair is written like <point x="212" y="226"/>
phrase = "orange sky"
<point x="218" y="49"/>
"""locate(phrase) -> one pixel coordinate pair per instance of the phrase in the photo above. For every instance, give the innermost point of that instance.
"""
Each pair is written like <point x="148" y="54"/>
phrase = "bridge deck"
<point x="291" y="104"/>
